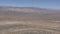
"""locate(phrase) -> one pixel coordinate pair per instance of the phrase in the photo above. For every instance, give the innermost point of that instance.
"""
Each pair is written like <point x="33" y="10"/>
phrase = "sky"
<point x="50" y="4"/>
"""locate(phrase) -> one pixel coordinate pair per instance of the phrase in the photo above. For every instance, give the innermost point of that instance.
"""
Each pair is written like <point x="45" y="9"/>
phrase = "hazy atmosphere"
<point x="51" y="4"/>
<point x="29" y="16"/>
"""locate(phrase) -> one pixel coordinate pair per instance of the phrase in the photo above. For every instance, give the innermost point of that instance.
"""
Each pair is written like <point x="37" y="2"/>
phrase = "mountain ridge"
<point x="29" y="13"/>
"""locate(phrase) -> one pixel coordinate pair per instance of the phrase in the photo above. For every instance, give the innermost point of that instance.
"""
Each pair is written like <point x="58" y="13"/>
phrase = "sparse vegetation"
<point x="28" y="21"/>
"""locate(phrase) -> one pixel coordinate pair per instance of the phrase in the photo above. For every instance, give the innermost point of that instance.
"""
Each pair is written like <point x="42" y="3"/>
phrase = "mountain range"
<point x="29" y="13"/>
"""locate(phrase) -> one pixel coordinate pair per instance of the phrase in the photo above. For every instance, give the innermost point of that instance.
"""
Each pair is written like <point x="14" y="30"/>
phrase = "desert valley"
<point x="29" y="20"/>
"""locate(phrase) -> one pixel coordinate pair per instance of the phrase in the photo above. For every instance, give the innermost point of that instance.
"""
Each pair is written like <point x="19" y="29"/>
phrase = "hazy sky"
<point x="52" y="4"/>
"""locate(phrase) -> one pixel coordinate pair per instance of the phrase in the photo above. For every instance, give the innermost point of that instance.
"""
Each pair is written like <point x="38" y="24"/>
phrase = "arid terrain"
<point x="29" y="20"/>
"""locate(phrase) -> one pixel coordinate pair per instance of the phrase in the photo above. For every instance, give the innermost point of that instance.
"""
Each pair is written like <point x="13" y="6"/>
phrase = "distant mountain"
<point x="29" y="12"/>
<point x="26" y="10"/>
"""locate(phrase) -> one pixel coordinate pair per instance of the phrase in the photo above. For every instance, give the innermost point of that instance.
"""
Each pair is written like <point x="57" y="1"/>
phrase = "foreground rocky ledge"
<point x="28" y="27"/>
